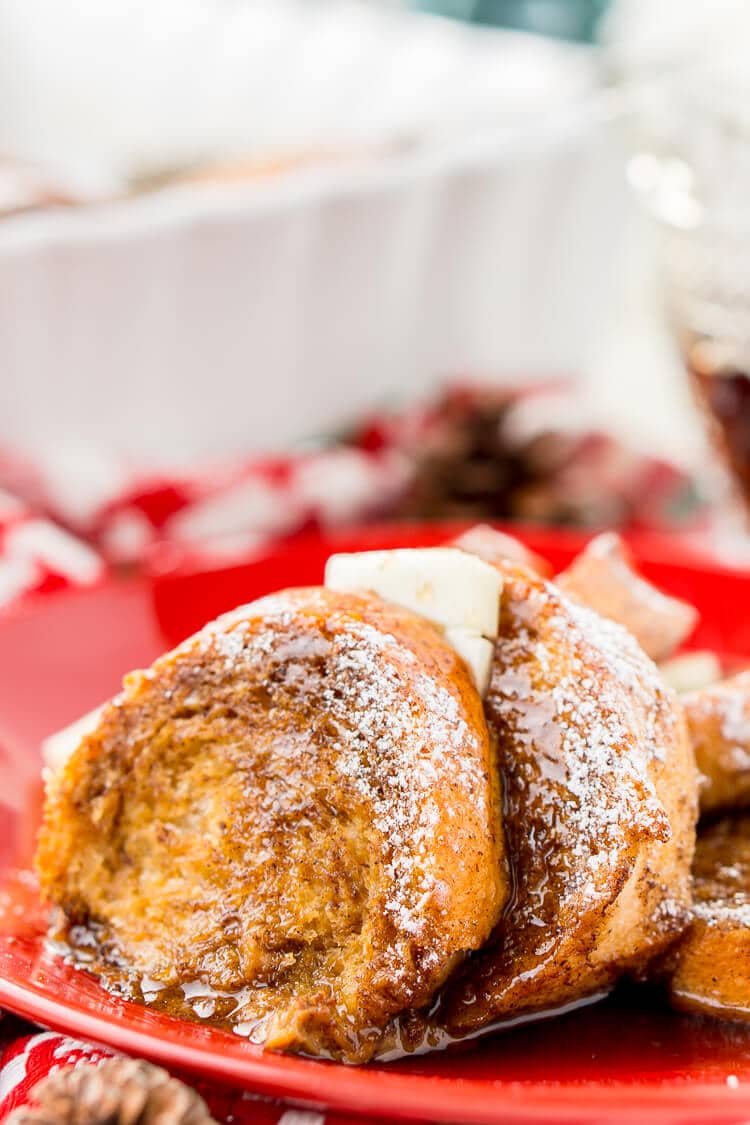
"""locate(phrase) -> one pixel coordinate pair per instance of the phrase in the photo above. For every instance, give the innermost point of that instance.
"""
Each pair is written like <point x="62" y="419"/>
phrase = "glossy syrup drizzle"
<point x="629" y="1033"/>
<point x="632" y="1035"/>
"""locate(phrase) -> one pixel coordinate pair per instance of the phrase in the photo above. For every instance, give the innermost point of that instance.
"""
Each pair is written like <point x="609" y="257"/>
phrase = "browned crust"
<point x="604" y="578"/>
<point x="719" y="723"/>
<point x="599" y="811"/>
<point x="297" y="805"/>
<point x="496" y="547"/>
<point x="708" y="971"/>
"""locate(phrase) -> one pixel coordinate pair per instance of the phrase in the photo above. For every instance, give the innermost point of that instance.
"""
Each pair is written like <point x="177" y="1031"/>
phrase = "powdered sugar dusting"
<point x="627" y="664"/>
<point x="366" y="697"/>
<point x="583" y="723"/>
<point x="722" y="874"/>
<point x="734" y="910"/>
<point x="397" y="748"/>
<point x="576" y="691"/>
<point x="230" y="645"/>
<point x="728" y="705"/>
<point x="734" y="710"/>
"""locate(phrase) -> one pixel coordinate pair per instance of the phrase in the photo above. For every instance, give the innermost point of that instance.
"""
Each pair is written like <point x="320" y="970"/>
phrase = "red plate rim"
<point x="377" y="1092"/>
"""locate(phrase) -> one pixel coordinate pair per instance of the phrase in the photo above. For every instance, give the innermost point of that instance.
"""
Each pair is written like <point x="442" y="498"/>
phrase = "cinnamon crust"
<point x="293" y="817"/>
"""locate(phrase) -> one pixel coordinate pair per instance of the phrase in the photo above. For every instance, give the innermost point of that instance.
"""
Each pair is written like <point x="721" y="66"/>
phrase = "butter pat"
<point x="457" y="591"/>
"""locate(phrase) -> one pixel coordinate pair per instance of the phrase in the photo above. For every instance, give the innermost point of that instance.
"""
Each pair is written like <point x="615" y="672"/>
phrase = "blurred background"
<point x="273" y="265"/>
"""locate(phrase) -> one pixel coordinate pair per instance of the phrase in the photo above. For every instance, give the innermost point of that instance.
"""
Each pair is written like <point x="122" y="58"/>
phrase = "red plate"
<point x="605" y="1063"/>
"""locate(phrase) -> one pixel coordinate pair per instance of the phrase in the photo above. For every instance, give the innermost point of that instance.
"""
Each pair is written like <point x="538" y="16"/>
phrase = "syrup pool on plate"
<point x="630" y="1036"/>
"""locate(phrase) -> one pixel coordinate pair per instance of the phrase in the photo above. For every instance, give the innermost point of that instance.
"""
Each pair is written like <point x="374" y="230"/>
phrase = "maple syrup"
<point x="721" y="382"/>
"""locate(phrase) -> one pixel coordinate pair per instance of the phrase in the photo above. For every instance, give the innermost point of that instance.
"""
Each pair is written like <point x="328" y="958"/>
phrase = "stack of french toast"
<point x="440" y="794"/>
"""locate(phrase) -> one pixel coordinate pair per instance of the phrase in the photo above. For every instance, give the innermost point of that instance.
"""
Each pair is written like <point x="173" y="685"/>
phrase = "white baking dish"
<point x="476" y="239"/>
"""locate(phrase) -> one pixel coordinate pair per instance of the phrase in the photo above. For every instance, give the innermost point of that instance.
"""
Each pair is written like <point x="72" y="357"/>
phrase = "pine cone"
<point x="465" y="466"/>
<point x="114" y="1092"/>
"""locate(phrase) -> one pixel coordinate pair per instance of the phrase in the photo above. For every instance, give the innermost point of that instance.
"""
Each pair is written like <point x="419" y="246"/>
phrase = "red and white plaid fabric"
<point x="37" y="555"/>
<point x="69" y="530"/>
<point x="26" y="1061"/>
<point x="70" y="515"/>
